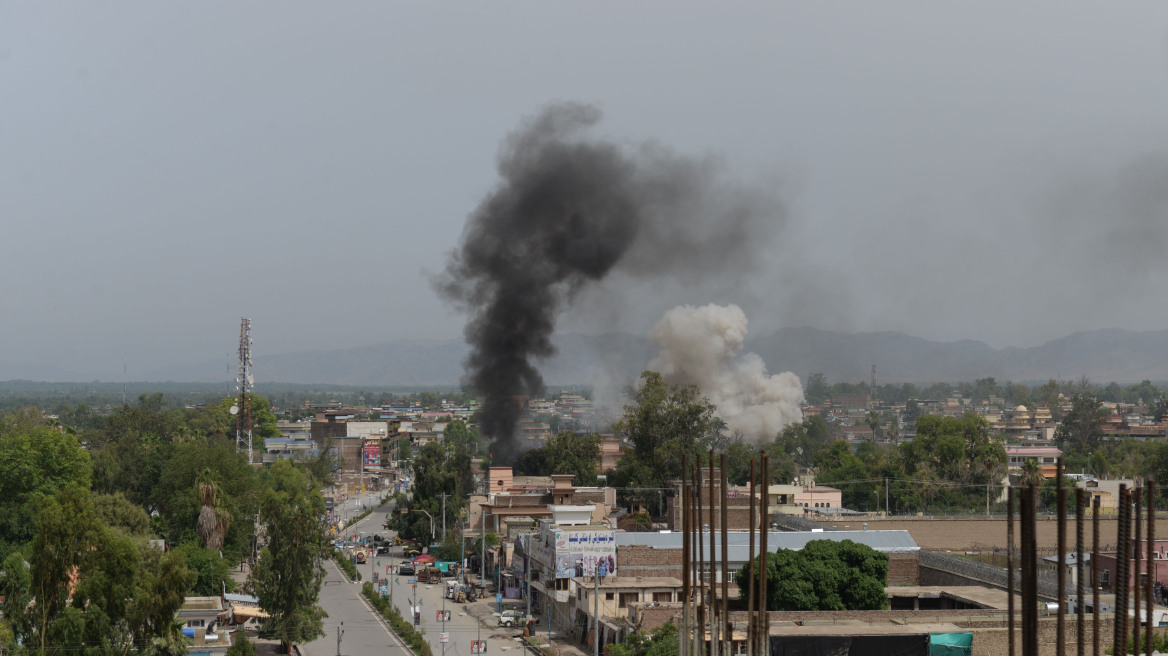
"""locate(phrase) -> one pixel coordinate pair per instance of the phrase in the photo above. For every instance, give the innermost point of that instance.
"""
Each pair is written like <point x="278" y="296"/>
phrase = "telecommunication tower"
<point x="243" y="384"/>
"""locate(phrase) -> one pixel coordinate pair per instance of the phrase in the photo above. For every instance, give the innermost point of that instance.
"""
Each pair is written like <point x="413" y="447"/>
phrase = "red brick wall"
<point x="737" y="514"/>
<point x="638" y="560"/>
<point x="903" y="569"/>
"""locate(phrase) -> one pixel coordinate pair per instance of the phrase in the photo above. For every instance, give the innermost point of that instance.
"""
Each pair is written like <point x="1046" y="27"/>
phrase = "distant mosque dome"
<point x="1021" y="408"/>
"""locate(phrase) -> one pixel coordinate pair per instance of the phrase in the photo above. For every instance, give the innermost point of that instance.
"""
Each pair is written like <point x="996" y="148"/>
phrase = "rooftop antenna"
<point x="873" y="379"/>
<point x="243" y="384"/>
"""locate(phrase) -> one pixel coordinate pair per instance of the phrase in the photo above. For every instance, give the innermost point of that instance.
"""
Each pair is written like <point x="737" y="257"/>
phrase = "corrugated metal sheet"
<point x="739" y="541"/>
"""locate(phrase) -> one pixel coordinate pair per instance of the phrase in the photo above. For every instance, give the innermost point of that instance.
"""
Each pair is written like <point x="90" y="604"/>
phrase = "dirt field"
<point x="984" y="533"/>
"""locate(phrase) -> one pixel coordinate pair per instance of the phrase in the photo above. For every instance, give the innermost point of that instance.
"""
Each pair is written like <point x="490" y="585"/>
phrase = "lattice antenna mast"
<point x="243" y="384"/>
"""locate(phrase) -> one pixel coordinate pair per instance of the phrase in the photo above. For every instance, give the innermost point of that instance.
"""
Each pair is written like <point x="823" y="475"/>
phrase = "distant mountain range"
<point x="1103" y="355"/>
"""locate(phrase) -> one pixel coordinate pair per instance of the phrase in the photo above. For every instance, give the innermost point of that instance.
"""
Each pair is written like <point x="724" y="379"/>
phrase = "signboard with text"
<point x="373" y="453"/>
<point x="580" y="553"/>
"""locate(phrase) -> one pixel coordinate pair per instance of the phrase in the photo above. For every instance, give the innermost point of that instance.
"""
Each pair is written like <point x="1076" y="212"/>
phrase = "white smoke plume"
<point x="700" y="346"/>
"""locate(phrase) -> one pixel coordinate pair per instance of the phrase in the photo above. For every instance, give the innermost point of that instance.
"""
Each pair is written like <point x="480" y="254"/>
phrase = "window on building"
<point x="1143" y="580"/>
<point x="562" y="584"/>
<point x="627" y="598"/>
<point x="662" y="597"/>
<point x="1105" y="579"/>
<point x="608" y="595"/>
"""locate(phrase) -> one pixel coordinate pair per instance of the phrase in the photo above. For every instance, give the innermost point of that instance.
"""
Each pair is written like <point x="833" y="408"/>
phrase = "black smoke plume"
<point x="568" y="211"/>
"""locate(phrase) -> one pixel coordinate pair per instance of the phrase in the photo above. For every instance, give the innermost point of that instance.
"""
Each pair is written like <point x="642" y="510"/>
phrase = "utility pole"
<point x="887" y="508"/>
<point x="596" y="611"/>
<point x="444" y="516"/>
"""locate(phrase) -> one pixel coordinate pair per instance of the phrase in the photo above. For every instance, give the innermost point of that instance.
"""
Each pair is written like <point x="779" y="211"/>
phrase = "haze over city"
<point x="991" y="172"/>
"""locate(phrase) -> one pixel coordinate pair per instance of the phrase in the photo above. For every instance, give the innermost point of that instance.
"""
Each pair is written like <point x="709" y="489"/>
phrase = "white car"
<point x="510" y="618"/>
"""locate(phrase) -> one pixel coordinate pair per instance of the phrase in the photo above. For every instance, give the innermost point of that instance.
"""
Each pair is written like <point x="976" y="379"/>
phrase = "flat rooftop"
<point x="986" y="597"/>
<point x="631" y="582"/>
<point x="862" y="628"/>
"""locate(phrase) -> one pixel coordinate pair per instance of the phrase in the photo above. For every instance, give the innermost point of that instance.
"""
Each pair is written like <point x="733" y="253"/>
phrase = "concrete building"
<point x="202" y="621"/>
<point x="566" y="548"/>
<point x="1108" y="563"/>
<point x="1046" y="457"/>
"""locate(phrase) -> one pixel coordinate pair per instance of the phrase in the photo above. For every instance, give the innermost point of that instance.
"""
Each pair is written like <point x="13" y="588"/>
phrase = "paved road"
<point x="468" y="621"/>
<point x="365" y="632"/>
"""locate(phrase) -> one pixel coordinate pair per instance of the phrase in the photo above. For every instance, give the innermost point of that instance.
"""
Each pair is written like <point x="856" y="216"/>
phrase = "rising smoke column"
<point x="569" y="210"/>
<point x="700" y="346"/>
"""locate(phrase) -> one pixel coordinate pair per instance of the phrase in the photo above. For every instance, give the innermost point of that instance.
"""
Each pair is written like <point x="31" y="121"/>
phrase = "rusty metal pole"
<point x="1122" y="560"/>
<point x="764" y="555"/>
<point x="1080" y="588"/>
<point x="1010" y="564"/>
<point x="1151" y="566"/>
<point x="1060" y="495"/>
<point x="689" y="573"/>
<point x="1136" y="501"/>
<point x="1029" y="551"/>
<point x="715" y="642"/>
<point x="729" y="628"/>
<point x="683" y="634"/>
<point x="1095" y="582"/>
<point x="701" y="559"/>
<point x="751" y="584"/>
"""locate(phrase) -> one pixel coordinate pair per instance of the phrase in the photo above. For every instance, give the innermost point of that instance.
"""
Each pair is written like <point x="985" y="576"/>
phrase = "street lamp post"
<point x="431" y="522"/>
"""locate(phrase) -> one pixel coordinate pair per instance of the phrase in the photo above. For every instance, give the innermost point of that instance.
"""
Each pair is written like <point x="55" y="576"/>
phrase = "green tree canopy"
<point x="662" y="641"/>
<point x="664" y="423"/>
<point x="564" y="453"/>
<point x="1081" y="429"/>
<point x="36" y="461"/>
<point x="289" y="573"/>
<point x="824" y="575"/>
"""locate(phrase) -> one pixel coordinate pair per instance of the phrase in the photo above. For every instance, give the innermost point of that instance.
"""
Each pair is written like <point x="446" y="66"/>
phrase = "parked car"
<point x="510" y="618"/>
<point x="406" y="568"/>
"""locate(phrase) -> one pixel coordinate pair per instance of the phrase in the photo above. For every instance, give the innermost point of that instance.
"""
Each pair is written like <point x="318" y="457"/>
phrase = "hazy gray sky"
<point x="993" y="171"/>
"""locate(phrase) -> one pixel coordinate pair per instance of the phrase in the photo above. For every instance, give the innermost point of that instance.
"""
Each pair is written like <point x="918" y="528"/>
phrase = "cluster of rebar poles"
<point x="701" y="605"/>
<point x="1128" y="568"/>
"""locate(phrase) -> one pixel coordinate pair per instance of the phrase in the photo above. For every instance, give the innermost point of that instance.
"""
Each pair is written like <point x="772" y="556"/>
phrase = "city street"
<point x="471" y="621"/>
<point x="364" y="631"/>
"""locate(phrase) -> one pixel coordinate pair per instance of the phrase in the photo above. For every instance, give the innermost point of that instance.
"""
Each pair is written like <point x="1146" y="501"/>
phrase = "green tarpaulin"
<point x="951" y="644"/>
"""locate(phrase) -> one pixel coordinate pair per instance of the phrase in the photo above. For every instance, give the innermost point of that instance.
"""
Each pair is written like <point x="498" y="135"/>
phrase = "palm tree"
<point x="1031" y="473"/>
<point x="873" y="421"/>
<point x="213" y="521"/>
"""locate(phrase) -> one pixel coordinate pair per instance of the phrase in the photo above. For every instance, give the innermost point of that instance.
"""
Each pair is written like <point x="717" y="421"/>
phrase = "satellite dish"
<point x="234" y="409"/>
<point x="251" y="380"/>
